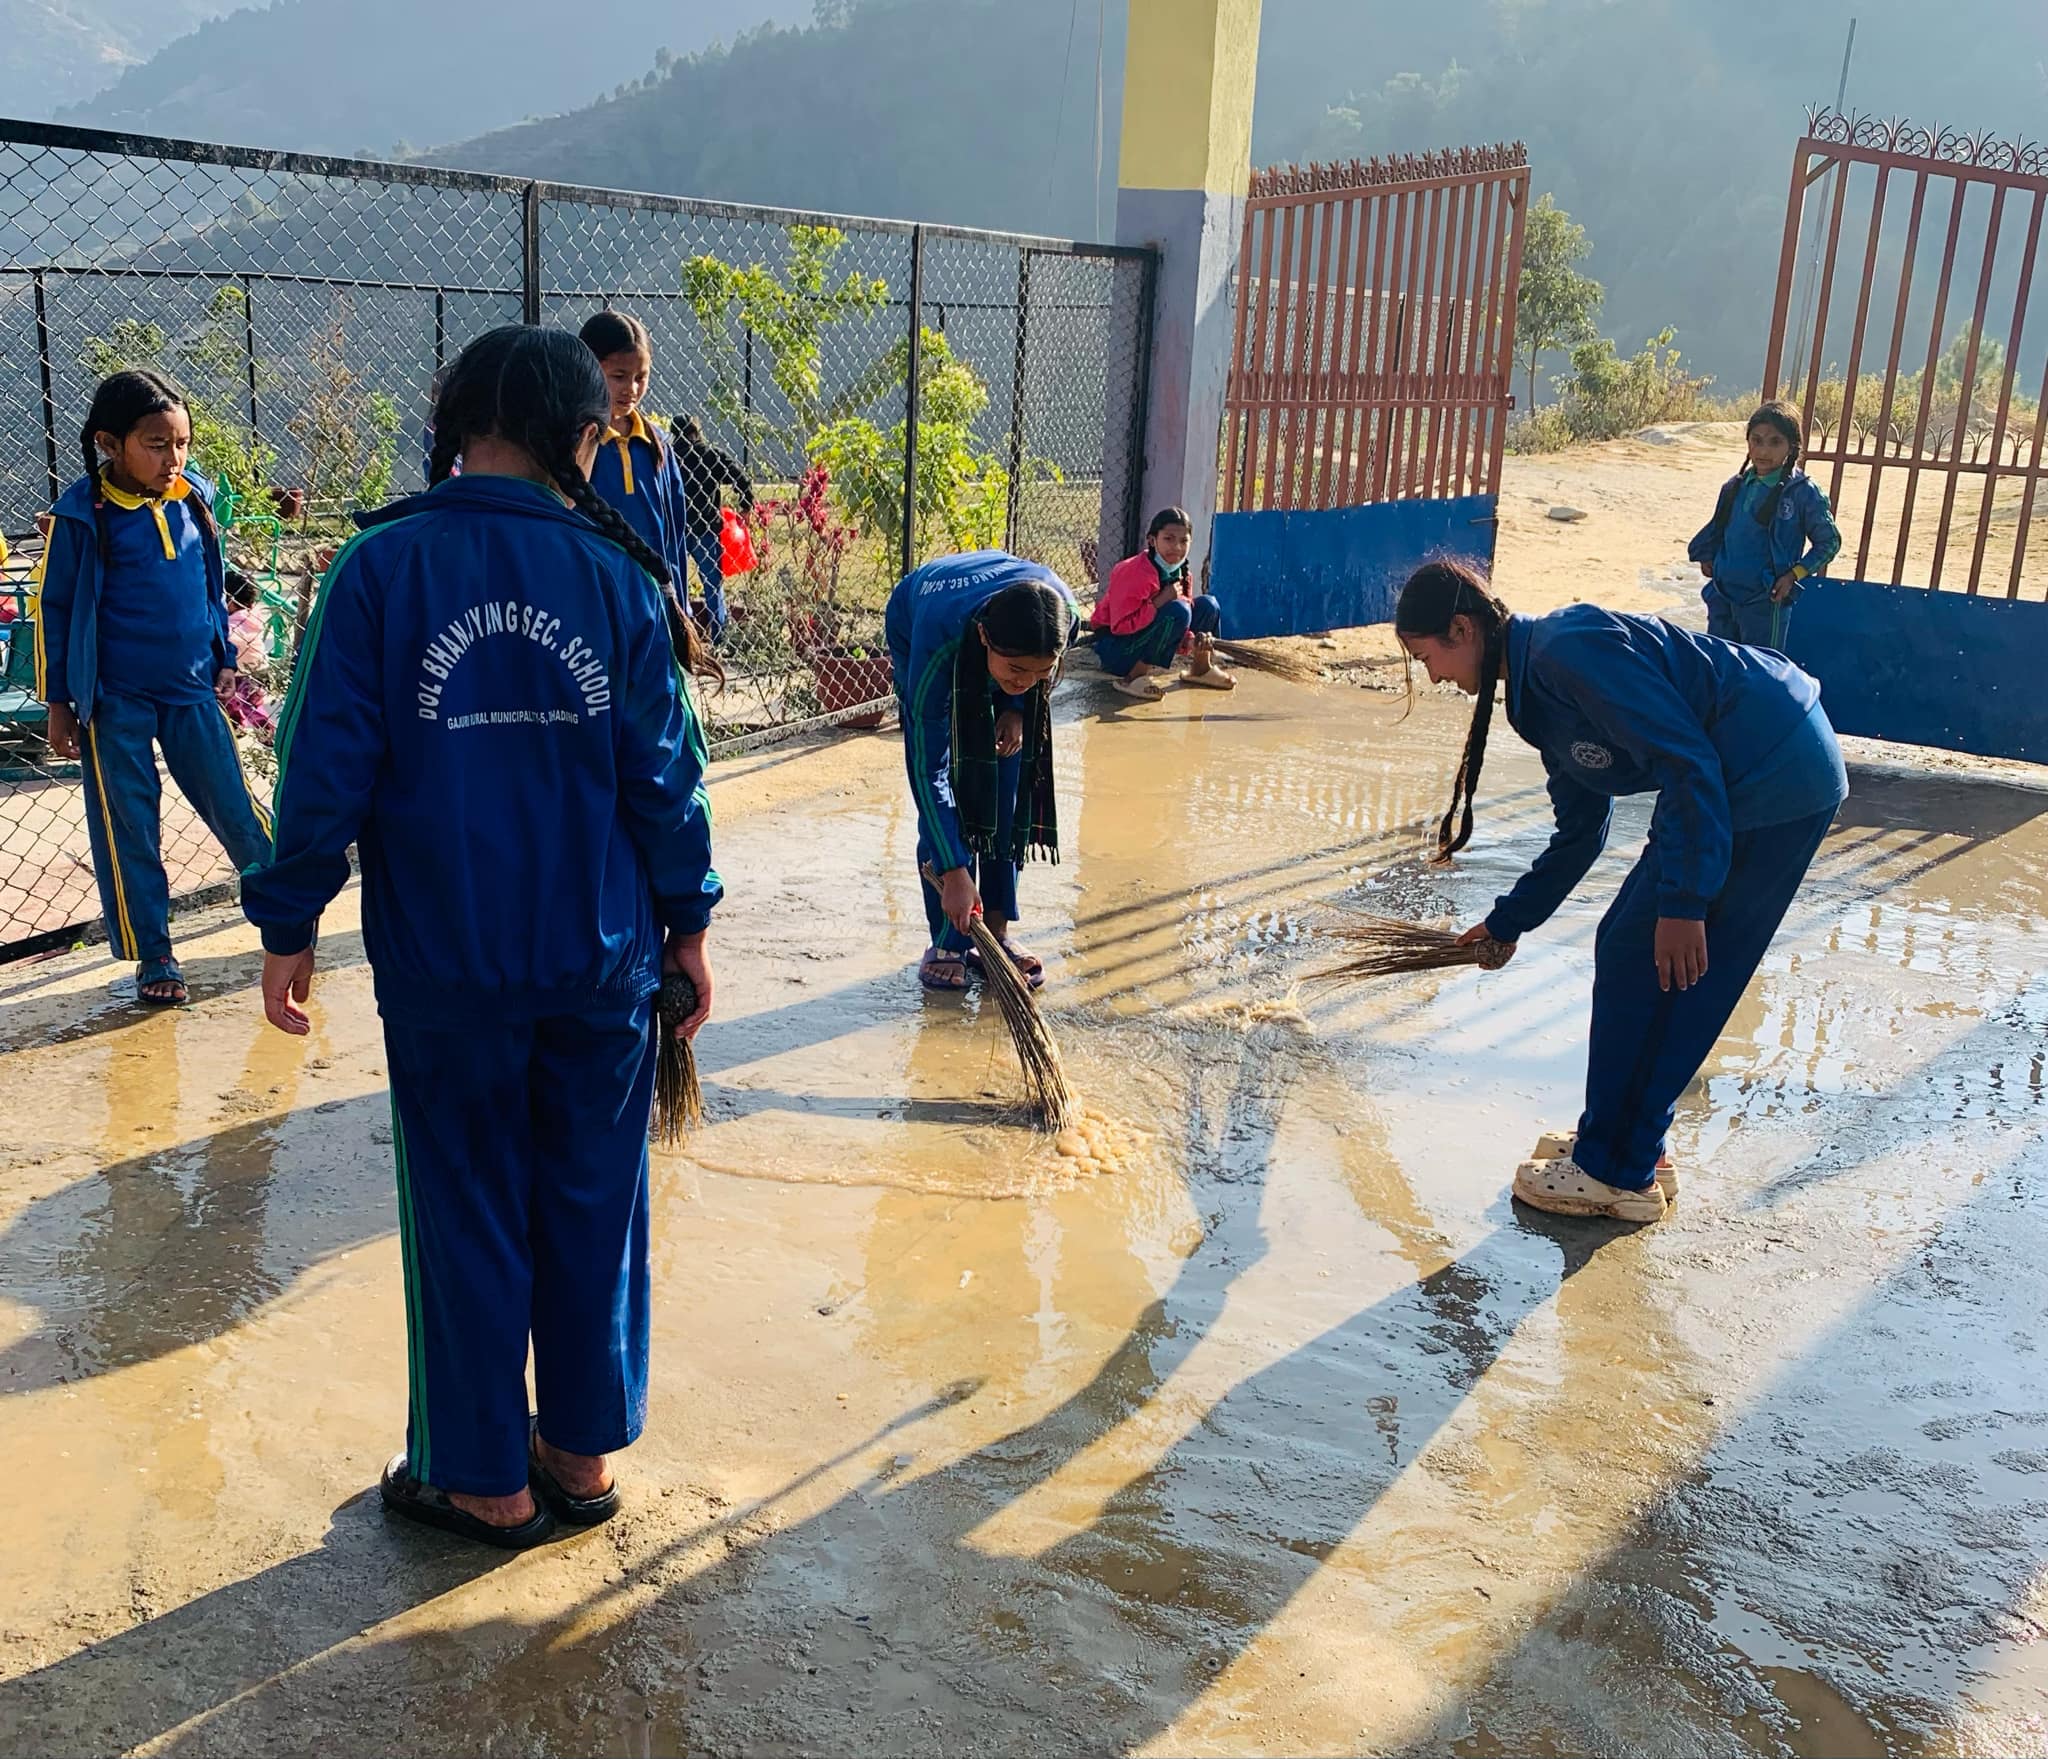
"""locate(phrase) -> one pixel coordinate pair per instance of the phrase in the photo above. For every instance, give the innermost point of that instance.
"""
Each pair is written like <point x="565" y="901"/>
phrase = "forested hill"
<point x="384" y="77"/>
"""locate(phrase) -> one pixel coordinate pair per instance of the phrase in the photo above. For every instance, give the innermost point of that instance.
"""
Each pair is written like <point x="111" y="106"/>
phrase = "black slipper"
<point x="425" y="1503"/>
<point x="574" y="1511"/>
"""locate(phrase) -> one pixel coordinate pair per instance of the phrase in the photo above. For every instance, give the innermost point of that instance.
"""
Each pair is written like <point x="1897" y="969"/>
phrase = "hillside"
<point x="1665" y="126"/>
<point x="55" y="52"/>
<point x="951" y="110"/>
<point x="379" y="76"/>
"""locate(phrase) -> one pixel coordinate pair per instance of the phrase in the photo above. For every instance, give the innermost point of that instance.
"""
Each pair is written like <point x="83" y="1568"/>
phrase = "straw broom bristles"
<point x="678" y="1096"/>
<point x="1274" y="662"/>
<point x="1385" y="946"/>
<point x="1046" y="1092"/>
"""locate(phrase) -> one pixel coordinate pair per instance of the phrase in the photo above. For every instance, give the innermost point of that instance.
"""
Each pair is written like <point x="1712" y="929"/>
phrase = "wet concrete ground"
<point x="1279" y="1431"/>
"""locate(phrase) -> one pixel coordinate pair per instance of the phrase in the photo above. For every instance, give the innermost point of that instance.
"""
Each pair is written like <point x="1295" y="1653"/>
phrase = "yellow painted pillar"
<point x="1183" y="166"/>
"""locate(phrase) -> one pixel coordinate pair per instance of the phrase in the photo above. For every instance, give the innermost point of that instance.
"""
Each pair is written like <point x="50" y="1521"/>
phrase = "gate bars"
<point x="1375" y="330"/>
<point x="1948" y="408"/>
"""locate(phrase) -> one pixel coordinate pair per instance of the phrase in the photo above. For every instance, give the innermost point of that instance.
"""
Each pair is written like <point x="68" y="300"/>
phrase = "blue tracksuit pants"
<point x="1160" y="639"/>
<point x="123" y="808"/>
<point x="707" y="551"/>
<point x="1647" y="1043"/>
<point x="1754" y="622"/>
<point x="522" y="1208"/>
<point x="995" y="880"/>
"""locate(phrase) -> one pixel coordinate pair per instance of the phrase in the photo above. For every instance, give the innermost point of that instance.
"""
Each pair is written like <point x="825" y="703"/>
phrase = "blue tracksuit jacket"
<point x="637" y="473"/>
<point x="928" y="614"/>
<point x="1729" y="738"/>
<point x="487" y="704"/>
<point x="68" y="608"/>
<point x="1756" y="536"/>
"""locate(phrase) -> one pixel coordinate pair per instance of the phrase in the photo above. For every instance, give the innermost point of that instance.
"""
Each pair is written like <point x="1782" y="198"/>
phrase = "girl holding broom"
<point x="1747" y="774"/>
<point x="974" y="641"/>
<point x="490" y="703"/>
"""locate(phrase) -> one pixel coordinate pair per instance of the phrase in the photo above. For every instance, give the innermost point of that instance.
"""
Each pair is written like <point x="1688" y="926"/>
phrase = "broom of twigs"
<point x="1046" y="1092"/>
<point x="1385" y="946"/>
<point x="1277" y="664"/>
<point x="678" y="1096"/>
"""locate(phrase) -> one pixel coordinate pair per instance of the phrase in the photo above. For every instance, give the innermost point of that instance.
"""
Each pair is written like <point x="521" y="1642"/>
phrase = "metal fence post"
<point x="912" y="397"/>
<point x="440" y="328"/>
<point x="1017" y="402"/>
<point x="49" y="388"/>
<point x="1134" y="481"/>
<point x="747" y="407"/>
<point x="531" y="288"/>
<point x="249" y="351"/>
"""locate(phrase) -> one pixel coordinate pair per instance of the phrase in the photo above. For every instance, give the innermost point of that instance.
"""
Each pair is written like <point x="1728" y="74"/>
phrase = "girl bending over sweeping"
<point x="975" y="641"/>
<point x="1747" y="776"/>
<point x="1148" y="615"/>
<point x="490" y="704"/>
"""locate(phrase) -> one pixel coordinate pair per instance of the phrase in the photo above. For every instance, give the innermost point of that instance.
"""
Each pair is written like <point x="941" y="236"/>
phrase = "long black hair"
<point x="538" y="389"/>
<point x="120" y="404"/>
<point x="616" y="332"/>
<point x="1436" y="593"/>
<point x="1025" y="620"/>
<point x="1163" y="520"/>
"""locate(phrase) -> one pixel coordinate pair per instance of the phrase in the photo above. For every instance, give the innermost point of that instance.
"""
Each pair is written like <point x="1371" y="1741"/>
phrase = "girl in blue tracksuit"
<point x="636" y="472"/>
<point x="1771" y="532"/>
<point x="490" y="704"/>
<point x="974" y="641"/>
<point x="133" y="652"/>
<point x="1747" y="775"/>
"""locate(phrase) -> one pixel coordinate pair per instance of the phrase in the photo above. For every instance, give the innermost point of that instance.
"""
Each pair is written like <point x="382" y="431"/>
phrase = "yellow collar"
<point x="123" y="499"/>
<point x="636" y="429"/>
<point x="131" y="503"/>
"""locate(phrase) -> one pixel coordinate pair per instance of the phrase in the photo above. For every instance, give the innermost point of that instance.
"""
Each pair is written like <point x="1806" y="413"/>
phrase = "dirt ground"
<point x="1279" y="1431"/>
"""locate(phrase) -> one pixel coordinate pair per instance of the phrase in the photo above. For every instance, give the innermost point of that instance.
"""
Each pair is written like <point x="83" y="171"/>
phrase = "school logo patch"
<point x="1589" y="756"/>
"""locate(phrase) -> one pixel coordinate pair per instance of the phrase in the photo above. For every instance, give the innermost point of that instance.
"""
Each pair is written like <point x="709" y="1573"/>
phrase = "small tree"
<point x="211" y="355"/>
<point x="789" y="311"/>
<point x="961" y="489"/>
<point x="1556" y="305"/>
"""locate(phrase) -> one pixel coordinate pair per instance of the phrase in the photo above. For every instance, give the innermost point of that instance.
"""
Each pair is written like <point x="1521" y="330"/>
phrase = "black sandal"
<point x="574" y="1511"/>
<point x="429" y="1505"/>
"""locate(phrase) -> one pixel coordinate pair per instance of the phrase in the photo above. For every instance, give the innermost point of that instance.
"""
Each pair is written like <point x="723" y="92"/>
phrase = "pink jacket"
<point x="1126" y="606"/>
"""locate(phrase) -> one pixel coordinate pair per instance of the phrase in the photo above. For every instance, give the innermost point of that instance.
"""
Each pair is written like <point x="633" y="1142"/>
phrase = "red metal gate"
<point x="1375" y="330"/>
<point x="1947" y="410"/>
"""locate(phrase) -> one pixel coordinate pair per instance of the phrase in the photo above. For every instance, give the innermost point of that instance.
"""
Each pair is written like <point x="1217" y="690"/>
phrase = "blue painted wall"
<point x="1301" y="573"/>
<point x="1928" y="668"/>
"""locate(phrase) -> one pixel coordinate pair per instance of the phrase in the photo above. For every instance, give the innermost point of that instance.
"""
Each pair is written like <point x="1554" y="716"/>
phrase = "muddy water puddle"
<point x="1251" y="1417"/>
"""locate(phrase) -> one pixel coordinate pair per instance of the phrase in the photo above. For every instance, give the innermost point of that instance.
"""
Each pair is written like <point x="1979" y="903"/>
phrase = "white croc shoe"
<point x="1560" y="1187"/>
<point x="1560" y="1144"/>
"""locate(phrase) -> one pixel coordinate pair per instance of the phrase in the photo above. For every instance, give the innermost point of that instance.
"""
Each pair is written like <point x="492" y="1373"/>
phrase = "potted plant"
<point x="291" y="503"/>
<point x="804" y="543"/>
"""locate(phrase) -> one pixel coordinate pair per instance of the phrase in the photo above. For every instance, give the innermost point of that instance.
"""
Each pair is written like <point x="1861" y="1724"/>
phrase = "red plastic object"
<point x="735" y="545"/>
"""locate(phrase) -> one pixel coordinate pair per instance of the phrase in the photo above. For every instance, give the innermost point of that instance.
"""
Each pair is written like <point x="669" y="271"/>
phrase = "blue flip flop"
<point x="164" y="970"/>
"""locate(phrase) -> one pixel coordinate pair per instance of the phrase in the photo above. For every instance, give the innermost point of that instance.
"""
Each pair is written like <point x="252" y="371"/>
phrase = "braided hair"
<point x="618" y="332"/>
<point x="119" y="405"/>
<point x="538" y="389"/>
<point x="1784" y="419"/>
<point x="1436" y="593"/>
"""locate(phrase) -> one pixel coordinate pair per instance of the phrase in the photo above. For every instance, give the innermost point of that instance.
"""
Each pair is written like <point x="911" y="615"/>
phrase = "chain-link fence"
<point x="884" y="392"/>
